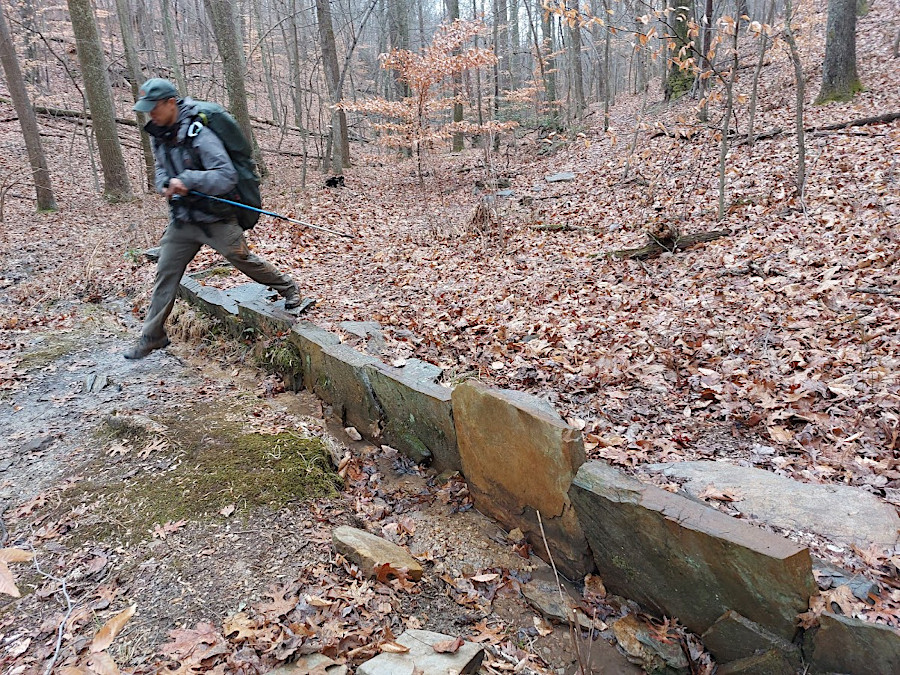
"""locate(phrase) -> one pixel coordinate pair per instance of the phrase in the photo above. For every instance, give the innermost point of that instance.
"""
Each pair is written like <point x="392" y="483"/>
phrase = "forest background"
<point x="679" y="225"/>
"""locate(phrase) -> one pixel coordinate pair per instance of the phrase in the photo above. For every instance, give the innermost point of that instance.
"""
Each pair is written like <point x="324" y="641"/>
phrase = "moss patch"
<point x="54" y="346"/>
<point x="208" y="463"/>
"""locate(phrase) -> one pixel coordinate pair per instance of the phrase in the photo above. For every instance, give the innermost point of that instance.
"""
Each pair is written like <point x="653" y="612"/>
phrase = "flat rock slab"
<point x="841" y="513"/>
<point x="687" y="560"/>
<point x="560" y="177"/>
<point x="519" y="457"/>
<point x="369" y="552"/>
<point x="846" y="645"/>
<point x="422" y="659"/>
<point x="734" y="637"/>
<point x="311" y="663"/>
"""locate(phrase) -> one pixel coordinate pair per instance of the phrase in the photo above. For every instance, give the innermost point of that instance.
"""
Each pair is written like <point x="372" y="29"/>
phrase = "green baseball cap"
<point x="154" y="90"/>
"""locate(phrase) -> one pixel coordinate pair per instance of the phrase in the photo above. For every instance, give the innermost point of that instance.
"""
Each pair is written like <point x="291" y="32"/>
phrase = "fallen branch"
<point x="863" y="121"/>
<point x="655" y="247"/>
<point x="876" y="291"/>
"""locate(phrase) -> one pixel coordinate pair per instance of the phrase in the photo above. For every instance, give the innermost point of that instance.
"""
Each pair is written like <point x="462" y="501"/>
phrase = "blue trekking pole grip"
<point x="272" y="213"/>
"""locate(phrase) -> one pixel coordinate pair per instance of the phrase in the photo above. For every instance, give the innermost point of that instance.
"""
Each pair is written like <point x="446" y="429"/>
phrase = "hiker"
<point x="190" y="156"/>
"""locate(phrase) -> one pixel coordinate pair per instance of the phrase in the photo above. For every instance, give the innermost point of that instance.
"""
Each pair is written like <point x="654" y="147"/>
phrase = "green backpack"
<point x="217" y="119"/>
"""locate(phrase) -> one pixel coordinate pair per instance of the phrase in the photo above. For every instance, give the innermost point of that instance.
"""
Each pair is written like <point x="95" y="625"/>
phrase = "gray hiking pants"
<point x="178" y="246"/>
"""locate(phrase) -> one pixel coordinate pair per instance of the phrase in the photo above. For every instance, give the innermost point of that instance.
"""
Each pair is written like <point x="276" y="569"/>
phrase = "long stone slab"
<point x="842" y="513"/>
<point x="309" y="340"/>
<point x="519" y="457"/>
<point x="846" y="645"/>
<point x="686" y="560"/>
<point x="344" y="383"/>
<point x="418" y="415"/>
<point x="422" y="659"/>
<point x="733" y="637"/>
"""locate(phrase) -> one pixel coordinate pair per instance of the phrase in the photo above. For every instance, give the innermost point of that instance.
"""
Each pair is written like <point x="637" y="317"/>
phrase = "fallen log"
<point x="657" y="246"/>
<point x="863" y="121"/>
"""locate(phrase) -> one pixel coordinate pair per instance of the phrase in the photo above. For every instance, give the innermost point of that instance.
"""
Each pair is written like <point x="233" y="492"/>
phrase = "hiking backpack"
<point x="219" y="121"/>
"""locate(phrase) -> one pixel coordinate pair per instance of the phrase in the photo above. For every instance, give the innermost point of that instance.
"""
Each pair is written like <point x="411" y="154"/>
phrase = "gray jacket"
<point x="201" y="163"/>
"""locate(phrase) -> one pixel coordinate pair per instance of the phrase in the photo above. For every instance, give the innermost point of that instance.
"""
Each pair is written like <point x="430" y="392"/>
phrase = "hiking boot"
<point x="146" y="345"/>
<point x="292" y="299"/>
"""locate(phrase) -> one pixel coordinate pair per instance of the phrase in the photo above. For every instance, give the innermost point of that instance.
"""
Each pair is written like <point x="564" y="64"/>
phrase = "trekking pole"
<point x="273" y="214"/>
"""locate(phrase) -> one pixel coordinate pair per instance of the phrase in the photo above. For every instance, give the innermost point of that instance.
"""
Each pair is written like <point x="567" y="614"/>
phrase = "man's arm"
<point x="218" y="176"/>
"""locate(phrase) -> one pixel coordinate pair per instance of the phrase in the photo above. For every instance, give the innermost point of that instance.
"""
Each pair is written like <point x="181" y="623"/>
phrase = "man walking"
<point x="189" y="156"/>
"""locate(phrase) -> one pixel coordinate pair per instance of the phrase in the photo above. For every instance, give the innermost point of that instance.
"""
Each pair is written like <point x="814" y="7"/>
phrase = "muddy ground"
<point x="191" y="485"/>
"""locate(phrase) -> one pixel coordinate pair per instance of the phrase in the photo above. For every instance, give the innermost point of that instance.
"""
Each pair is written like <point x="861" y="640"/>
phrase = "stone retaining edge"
<point x="416" y="416"/>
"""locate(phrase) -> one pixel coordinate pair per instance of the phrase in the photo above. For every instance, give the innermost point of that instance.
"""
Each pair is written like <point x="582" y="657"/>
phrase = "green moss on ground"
<point x="207" y="464"/>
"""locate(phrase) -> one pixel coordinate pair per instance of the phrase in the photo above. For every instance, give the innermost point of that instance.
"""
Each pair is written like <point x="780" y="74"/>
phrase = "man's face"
<point x="165" y="113"/>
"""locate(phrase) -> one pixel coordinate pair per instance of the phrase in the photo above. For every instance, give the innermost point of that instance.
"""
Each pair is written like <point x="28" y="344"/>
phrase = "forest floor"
<point x="777" y="345"/>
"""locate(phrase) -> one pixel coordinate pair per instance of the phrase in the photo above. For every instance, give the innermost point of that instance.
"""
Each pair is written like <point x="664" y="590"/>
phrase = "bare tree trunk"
<point x="679" y="80"/>
<point x="266" y="61"/>
<point x="27" y="119"/>
<point x="549" y="39"/>
<point x="515" y="43"/>
<point x="763" y="44"/>
<point x="840" y="80"/>
<point x="135" y="77"/>
<point x="340" y="144"/>
<point x="729" y="104"/>
<point x="577" y="71"/>
<point x="171" y="51"/>
<point x="458" y="138"/>
<point x="897" y="45"/>
<point x="706" y="60"/>
<point x="224" y="23"/>
<point x="116" y="186"/>
<point x="801" y="90"/>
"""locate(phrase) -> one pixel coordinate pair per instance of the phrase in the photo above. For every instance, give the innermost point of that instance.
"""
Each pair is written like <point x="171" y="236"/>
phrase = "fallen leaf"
<point x="721" y="495"/>
<point x="102" y="664"/>
<point x="393" y="648"/>
<point x="448" y="646"/>
<point x="111" y="629"/>
<point x="484" y="578"/>
<point x="227" y="510"/>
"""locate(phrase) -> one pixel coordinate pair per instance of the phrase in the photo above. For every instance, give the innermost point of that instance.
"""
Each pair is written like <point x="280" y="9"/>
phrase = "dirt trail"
<point x="103" y="474"/>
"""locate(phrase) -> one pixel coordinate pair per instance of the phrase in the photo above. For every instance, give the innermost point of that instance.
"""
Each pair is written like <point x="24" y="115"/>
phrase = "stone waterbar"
<point x="738" y="586"/>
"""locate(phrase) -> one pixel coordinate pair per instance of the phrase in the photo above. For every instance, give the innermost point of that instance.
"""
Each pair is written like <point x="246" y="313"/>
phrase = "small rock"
<point x="560" y="177"/>
<point x="422" y="657"/>
<point x="543" y="593"/>
<point x="369" y="552"/>
<point x="317" y="663"/>
<point x="636" y="638"/>
<point x="353" y="433"/>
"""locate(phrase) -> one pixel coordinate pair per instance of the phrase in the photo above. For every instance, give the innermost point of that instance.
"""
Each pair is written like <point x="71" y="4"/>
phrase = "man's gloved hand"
<point x="175" y="187"/>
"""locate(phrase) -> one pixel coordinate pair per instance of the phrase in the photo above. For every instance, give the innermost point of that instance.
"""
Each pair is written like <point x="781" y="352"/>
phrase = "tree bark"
<point x="801" y="90"/>
<point x="840" y="81"/>
<point x="577" y="70"/>
<point x="340" y="145"/>
<point x="171" y="50"/>
<point x="116" y="186"/>
<point x="458" y="139"/>
<point x="135" y="77"/>
<point x="224" y="23"/>
<point x="27" y="119"/>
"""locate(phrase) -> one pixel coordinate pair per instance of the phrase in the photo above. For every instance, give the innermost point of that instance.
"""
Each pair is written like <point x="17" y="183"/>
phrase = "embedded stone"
<point x="683" y="559"/>
<point x="519" y="457"/>
<point x="842" y="513"/>
<point x="733" y="637"/>
<point x="344" y="383"/>
<point x="418" y="415"/>
<point x="772" y="662"/>
<point x="369" y="552"/>
<point x="658" y="657"/>
<point x="422" y="659"/>
<point x="846" y="645"/>
<point x="309" y="341"/>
